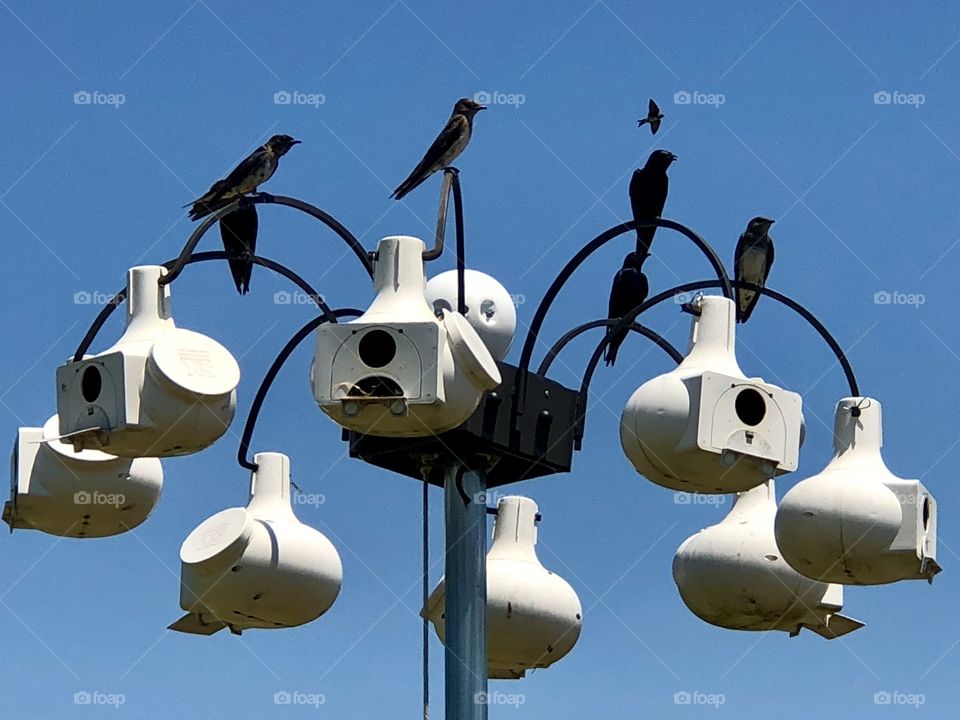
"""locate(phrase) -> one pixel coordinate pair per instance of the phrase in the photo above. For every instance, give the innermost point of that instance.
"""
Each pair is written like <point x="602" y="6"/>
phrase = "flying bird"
<point x="238" y="230"/>
<point x="245" y="178"/>
<point x="751" y="263"/>
<point x="451" y="141"/>
<point x="629" y="289"/>
<point x="648" y="195"/>
<point x="653" y="118"/>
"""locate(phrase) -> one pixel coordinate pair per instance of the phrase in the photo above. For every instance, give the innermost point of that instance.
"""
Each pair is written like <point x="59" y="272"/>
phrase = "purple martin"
<point x="238" y="230"/>
<point x="451" y="141"/>
<point x="648" y="195"/>
<point x="629" y="289"/>
<point x="752" y="261"/>
<point x="654" y="116"/>
<point x="256" y="168"/>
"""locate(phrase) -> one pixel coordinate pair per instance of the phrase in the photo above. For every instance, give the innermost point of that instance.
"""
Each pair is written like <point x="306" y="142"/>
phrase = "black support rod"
<point x="177" y="267"/>
<point x="271" y="375"/>
<point x="661" y="341"/>
<point x="591" y="247"/>
<point x="630" y="317"/>
<point x="276" y="267"/>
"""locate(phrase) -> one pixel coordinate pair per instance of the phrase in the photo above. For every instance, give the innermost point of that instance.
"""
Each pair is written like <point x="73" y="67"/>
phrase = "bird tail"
<point x="407" y="186"/>
<point x="613" y="347"/>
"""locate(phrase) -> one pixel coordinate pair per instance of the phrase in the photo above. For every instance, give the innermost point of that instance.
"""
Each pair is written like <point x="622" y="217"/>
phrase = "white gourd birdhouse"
<point x="258" y="566"/>
<point x="855" y="522"/>
<point x="731" y="575"/>
<point x="533" y="615"/>
<point x="704" y="426"/>
<point x="398" y="370"/>
<point x="160" y="391"/>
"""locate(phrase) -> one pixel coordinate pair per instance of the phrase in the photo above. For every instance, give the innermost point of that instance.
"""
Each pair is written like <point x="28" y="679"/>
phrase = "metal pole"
<point x="465" y="657"/>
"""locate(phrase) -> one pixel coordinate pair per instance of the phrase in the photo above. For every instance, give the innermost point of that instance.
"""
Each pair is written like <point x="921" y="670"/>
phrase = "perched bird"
<point x="629" y="289"/>
<point x="654" y="116"/>
<point x="648" y="195"/>
<point x="238" y="230"/>
<point x="446" y="148"/>
<point x="245" y="178"/>
<point x="751" y="263"/>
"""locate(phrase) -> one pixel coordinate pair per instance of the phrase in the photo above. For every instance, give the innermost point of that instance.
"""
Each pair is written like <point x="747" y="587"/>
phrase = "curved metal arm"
<point x="602" y="239"/>
<point x="117" y="299"/>
<point x="271" y="375"/>
<point x="661" y="341"/>
<point x="451" y="178"/>
<point x="631" y="316"/>
<point x="177" y="267"/>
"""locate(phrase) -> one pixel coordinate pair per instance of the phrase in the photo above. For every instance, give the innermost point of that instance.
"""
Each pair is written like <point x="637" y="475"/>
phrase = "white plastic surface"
<point x="855" y="522"/>
<point x="78" y="494"/>
<point x="731" y="575"/>
<point x="259" y="566"/>
<point x="533" y="615"/>
<point x="682" y="430"/>
<point x="490" y="308"/>
<point x="434" y="378"/>
<point x="162" y="391"/>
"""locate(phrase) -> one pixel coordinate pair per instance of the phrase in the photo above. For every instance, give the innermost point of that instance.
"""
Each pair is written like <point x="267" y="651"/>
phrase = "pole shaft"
<point x="465" y="656"/>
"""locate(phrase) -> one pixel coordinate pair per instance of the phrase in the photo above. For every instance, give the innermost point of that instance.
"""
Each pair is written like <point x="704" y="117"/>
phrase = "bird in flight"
<point x="653" y="118"/>
<point x="255" y="169"/>
<point x="451" y="141"/>
<point x="238" y="230"/>
<point x="648" y="195"/>
<point x="629" y="289"/>
<point x="752" y="261"/>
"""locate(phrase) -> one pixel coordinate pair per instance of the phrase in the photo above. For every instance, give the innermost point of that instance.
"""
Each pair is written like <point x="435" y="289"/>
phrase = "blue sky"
<point x="865" y="195"/>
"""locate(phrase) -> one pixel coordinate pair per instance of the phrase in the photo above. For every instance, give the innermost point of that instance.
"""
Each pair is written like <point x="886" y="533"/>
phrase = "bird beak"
<point x="296" y="142"/>
<point x="481" y="107"/>
<point x="674" y="157"/>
